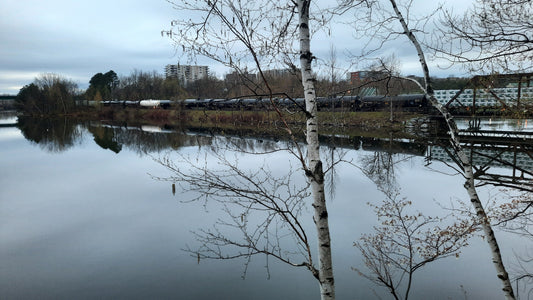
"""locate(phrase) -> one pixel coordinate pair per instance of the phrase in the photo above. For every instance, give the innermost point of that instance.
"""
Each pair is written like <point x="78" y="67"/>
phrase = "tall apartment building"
<point x="186" y="74"/>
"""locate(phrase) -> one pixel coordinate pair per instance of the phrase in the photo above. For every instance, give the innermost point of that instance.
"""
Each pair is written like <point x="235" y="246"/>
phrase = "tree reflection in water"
<point x="105" y="138"/>
<point x="405" y="239"/>
<point x="263" y="210"/>
<point x="273" y="225"/>
<point x="506" y="165"/>
<point x="51" y="134"/>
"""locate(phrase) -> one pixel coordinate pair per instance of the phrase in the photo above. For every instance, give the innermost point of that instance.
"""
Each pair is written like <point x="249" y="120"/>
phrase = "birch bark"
<point x="466" y="164"/>
<point x="314" y="169"/>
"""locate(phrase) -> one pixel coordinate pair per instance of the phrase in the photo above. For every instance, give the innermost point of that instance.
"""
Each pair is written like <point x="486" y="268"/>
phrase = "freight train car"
<point x="413" y="103"/>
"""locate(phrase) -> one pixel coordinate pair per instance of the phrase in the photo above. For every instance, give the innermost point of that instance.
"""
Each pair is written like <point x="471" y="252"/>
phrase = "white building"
<point x="186" y="74"/>
<point x="484" y="97"/>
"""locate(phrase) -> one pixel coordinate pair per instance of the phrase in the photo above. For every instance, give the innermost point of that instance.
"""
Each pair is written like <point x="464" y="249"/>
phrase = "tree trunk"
<point x="314" y="170"/>
<point x="465" y="161"/>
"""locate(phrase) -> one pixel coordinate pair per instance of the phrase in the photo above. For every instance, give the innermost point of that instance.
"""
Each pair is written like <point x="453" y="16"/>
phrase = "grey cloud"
<point x="80" y="38"/>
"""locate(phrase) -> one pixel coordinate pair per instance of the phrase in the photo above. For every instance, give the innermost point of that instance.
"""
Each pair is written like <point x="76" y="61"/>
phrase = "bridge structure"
<point x="490" y="95"/>
<point x="499" y="158"/>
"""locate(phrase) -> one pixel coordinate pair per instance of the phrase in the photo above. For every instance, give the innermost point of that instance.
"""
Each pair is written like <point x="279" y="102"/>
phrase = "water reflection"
<point x="8" y="118"/>
<point x="505" y="161"/>
<point x="138" y="138"/>
<point x="263" y="209"/>
<point x="379" y="167"/>
<point x="112" y="229"/>
<point x="105" y="138"/>
<point x="54" y="135"/>
<point x="486" y="123"/>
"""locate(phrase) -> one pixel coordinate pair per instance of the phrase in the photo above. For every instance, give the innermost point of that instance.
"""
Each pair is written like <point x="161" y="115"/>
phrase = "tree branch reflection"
<point x="263" y="211"/>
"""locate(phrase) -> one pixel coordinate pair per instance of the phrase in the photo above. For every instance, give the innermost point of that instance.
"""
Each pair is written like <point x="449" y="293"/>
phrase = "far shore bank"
<point x="330" y="122"/>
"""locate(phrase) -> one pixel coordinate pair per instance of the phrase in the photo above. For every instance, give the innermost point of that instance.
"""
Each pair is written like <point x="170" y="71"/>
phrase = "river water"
<point x="82" y="217"/>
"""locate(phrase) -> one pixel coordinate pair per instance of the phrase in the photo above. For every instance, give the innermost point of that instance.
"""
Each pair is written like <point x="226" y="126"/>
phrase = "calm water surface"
<point x="81" y="217"/>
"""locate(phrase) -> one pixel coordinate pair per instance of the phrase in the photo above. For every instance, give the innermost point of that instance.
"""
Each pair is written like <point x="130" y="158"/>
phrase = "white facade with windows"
<point x="486" y="97"/>
<point x="186" y="73"/>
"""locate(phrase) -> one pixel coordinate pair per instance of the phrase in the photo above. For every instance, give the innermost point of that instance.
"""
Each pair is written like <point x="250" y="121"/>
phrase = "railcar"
<point x="345" y="103"/>
<point x="153" y="103"/>
<point x="414" y="102"/>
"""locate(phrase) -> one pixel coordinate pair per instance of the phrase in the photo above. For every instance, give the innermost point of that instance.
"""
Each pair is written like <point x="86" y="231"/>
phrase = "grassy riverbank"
<point x="376" y="124"/>
<point x="370" y="120"/>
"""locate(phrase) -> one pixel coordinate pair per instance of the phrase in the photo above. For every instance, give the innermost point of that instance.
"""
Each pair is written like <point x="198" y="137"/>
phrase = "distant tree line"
<point x="136" y="86"/>
<point x="47" y="94"/>
<point x="101" y="86"/>
<point x="54" y="94"/>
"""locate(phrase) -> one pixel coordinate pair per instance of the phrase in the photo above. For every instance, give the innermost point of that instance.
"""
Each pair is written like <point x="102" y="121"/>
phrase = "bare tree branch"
<point x="494" y="35"/>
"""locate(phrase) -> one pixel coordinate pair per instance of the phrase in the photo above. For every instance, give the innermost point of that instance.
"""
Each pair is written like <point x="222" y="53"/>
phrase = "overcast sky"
<point x="78" y="39"/>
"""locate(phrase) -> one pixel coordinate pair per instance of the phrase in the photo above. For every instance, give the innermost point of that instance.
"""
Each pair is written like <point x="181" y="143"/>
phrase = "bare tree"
<point x="492" y="36"/>
<point x="140" y="85"/>
<point x="314" y="170"/>
<point x="515" y="216"/>
<point x="385" y="17"/>
<point x="509" y="209"/>
<point x="524" y="277"/>
<point x="240" y="34"/>
<point x="406" y="241"/>
<point x="331" y="76"/>
<point x="388" y="70"/>
<point x="49" y="94"/>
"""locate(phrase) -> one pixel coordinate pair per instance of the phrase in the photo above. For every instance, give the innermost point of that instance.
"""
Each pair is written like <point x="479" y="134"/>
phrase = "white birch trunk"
<point x="465" y="163"/>
<point x="314" y="169"/>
